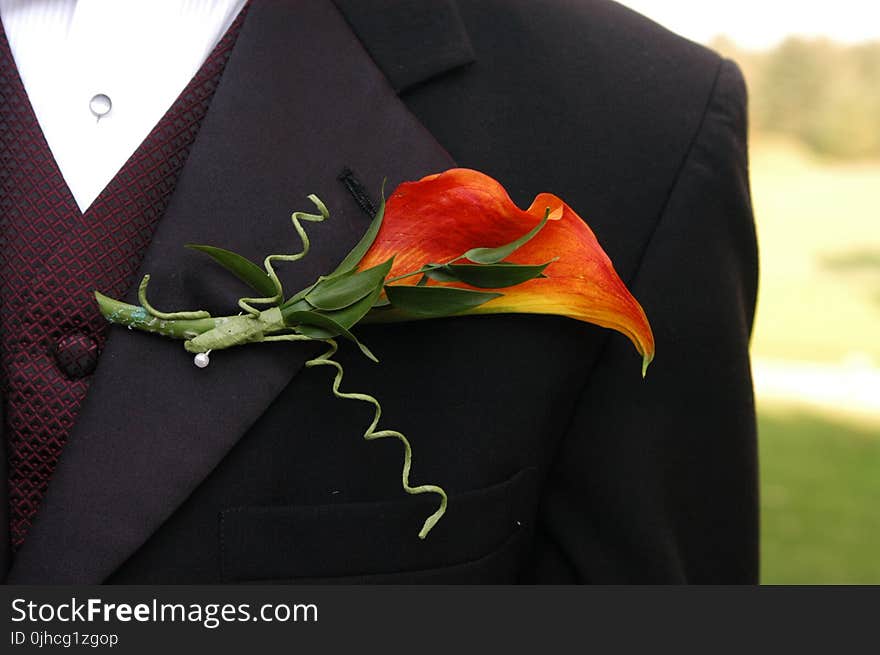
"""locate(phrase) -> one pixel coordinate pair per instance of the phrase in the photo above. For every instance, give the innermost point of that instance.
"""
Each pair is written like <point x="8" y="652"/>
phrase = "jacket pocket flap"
<point x="355" y="539"/>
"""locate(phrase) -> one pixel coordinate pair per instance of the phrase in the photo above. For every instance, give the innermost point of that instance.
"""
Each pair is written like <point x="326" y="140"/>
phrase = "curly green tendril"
<point x="371" y="433"/>
<point x="296" y="217"/>
<point x="166" y="316"/>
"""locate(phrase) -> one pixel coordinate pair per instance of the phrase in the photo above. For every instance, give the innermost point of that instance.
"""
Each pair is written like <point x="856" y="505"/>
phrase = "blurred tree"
<point x="824" y="94"/>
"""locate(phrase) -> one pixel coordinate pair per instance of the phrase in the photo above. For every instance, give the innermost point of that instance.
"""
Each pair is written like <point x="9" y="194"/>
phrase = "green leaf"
<point x="350" y="315"/>
<point x="319" y="326"/>
<point x="438" y="272"/>
<point x="294" y="305"/>
<point x="300" y="295"/>
<point x="315" y="332"/>
<point x="346" y="317"/>
<point x="357" y="253"/>
<point x="495" y="255"/>
<point x="344" y="290"/>
<point x="489" y="276"/>
<point x="326" y="325"/>
<point x="243" y="268"/>
<point x="435" y="301"/>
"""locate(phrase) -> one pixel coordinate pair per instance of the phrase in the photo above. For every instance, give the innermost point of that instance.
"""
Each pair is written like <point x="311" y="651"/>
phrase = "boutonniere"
<point x="450" y="244"/>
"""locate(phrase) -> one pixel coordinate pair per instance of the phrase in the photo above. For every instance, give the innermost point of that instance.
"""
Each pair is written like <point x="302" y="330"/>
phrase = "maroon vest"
<point x="52" y="258"/>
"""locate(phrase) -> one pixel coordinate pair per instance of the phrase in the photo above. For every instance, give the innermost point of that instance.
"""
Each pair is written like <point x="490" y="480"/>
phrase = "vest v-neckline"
<point x="139" y="55"/>
<point x="71" y="206"/>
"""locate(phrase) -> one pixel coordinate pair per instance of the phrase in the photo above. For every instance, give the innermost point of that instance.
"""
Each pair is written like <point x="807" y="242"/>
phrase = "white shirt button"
<point x="82" y="60"/>
<point x="100" y="105"/>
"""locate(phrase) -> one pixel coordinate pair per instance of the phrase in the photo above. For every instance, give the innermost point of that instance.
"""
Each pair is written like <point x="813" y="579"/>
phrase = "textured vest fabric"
<point x="52" y="258"/>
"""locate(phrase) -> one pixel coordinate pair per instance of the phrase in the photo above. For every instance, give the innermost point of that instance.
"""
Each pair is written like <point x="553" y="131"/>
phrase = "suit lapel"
<point x="410" y="40"/>
<point x="299" y="101"/>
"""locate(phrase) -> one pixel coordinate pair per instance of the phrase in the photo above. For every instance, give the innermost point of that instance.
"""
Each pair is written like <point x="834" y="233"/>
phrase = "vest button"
<point x="76" y="355"/>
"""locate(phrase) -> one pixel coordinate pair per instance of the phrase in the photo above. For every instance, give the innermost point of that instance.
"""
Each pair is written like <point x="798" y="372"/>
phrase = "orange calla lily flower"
<point x="441" y="216"/>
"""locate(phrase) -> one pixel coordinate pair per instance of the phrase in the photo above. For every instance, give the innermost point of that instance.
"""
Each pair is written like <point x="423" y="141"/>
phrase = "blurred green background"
<point x="815" y="172"/>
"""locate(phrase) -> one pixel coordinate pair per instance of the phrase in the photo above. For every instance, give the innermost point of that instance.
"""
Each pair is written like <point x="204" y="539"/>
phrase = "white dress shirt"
<point x="139" y="53"/>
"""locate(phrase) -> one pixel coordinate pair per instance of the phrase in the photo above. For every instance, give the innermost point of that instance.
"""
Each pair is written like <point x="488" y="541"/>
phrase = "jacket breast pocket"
<point x="482" y="538"/>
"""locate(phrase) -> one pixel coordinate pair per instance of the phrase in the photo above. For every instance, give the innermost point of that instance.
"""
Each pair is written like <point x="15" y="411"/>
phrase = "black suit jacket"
<point x="562" y="464"/>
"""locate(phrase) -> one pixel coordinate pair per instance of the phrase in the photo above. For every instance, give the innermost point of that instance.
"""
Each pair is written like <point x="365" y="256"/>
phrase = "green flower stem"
<point x="371" y="433"/>
<point x="427" y="268"/>
<point x="237" y="330"/>
<point x="424" y="269"/>
<point x="200" y="335"/>
<point x="134" y="316"/>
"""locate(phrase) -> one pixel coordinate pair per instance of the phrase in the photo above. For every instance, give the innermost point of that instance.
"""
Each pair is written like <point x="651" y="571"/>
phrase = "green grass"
<point x="820" y="500"/>
<point x="819" y="301"/>
<point x="819" y="244"/>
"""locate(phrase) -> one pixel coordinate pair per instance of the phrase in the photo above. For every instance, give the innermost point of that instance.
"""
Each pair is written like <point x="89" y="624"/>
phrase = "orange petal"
<point x="443" y="215"/>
